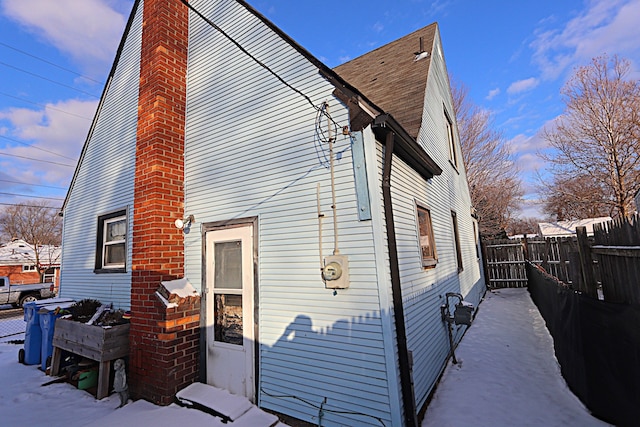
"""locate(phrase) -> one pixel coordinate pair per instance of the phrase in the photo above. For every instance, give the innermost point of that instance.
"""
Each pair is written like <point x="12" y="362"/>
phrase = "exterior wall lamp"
<point x="185" y="223"/>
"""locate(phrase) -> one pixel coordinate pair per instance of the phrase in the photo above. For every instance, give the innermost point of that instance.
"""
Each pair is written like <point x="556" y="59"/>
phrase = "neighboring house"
<point x="18" y="262"/>
<point x="232" y="134"/>
<point x="568" y="228"/>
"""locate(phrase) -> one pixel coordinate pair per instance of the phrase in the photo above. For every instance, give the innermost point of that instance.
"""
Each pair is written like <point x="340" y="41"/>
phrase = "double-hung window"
<point x="111" y="248"/>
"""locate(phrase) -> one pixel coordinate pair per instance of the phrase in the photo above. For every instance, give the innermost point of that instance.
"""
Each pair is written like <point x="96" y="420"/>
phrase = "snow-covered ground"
<point x="507" y="375"/>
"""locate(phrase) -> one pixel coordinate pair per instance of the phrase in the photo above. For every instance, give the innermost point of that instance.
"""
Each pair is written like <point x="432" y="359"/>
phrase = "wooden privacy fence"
<point x="616" y="250"/>
<point x="605" y="266"/>
<point x="505" y="259"/>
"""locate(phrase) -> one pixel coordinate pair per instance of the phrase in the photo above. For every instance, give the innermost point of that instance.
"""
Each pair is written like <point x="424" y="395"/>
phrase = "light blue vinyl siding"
<point x="110" y="155"/>
<point x="251" y="152"/>
<point x="424" y="289"/>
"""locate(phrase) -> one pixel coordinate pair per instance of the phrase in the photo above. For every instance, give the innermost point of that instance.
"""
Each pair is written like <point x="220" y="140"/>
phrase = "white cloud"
<point x="522" y="86"/>
<point x="87" y="30"/>
<point x="378" y="27"/>
<point x="527" y="144"/>
<point x="59" y="128"/>
<point x="604" y="26"/>
<point x="492" y="94"/>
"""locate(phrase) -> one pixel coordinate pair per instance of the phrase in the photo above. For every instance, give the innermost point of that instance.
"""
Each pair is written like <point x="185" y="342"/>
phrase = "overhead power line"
<point x="50" y="63"/>
<point x="37" y="160"/>
<point x="32" y="196"/>
<point x="30" y="206"/>
<point x="33" y="185"/>
<point x="48" y="79"/>
<point x="37" y="148"/>
<point x="44" y="106"/>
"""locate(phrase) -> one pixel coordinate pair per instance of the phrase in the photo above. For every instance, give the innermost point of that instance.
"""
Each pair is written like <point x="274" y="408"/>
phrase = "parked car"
<point x="18" y="295"/>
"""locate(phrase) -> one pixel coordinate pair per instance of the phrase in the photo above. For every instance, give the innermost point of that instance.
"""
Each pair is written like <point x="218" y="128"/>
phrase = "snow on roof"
<point x="20" y="252"/>
<point x="568" y="228"/>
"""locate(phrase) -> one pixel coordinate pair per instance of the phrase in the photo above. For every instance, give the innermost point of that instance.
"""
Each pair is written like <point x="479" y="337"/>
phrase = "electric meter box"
<point x="336" y="272"/>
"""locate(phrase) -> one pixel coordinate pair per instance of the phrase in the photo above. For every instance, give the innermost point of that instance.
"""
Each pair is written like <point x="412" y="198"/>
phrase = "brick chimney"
<point x="164" y="342"/>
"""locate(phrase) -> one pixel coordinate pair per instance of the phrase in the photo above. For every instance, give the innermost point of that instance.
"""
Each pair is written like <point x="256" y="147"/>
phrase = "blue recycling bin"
<point x="47" y="318"/>
<point x="33" y="334"/>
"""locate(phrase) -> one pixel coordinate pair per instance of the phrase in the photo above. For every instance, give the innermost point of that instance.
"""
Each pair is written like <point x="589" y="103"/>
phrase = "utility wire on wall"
<point x="256" y="60"/>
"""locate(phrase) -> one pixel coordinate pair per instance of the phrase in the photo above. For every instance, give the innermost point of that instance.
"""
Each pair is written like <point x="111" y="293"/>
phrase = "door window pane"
<point x="228" y="318"/>
<point x="228" y="265"/>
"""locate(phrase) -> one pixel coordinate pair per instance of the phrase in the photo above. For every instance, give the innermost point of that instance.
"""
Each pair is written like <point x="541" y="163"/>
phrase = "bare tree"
<point x="597" y="139"/>
<point x="575" y="197"/>
<point x="527" y="225"/>
<point x="38" y="224"/>
<point x="495" y="188"/>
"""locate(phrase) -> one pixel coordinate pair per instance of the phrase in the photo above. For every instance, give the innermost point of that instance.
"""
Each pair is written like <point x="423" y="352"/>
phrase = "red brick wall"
<point x="17" y="276"/>
<point x="164" y="342"/>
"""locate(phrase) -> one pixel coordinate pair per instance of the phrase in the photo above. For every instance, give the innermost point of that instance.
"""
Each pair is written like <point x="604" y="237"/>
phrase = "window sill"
<point x="429" y="264"/>
<point x="109" y="270"/>
<point x="454" y="166"/>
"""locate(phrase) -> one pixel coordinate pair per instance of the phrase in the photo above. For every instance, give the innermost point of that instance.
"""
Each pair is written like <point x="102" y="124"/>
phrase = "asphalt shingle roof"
<point x="392" y="79"/>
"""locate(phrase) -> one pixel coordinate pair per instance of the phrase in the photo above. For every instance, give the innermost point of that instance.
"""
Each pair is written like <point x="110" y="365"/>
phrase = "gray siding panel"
<point x="252" y="150"/>
<point x="109" y="154"/>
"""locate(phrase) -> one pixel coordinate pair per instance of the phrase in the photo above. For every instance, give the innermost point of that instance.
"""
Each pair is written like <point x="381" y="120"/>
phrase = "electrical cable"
<point x="246" y="52"/>
<point x="33" y="185"/>
<point x="51" y="63"/>
<point x="37" y="148"/>
<point x="322" y="407"/>
<point x="48" y="79"/>
<point x="29" y="195"/>
<point x="44" y="106"/>
<point x="37" y="160"/>
<point x="30" y="206"/>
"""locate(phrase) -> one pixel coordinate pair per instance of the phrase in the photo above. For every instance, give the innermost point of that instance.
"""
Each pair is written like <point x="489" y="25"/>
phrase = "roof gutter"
<point x="407" y="148"/>
<point x="406" y="381"/>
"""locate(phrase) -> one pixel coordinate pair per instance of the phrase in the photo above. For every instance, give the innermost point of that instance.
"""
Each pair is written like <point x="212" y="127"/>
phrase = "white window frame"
<point x="101" y="264"/>
<point x="106" y="243"/>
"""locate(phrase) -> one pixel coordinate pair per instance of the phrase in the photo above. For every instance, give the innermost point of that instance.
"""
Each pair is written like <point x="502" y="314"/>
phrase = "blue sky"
<point x="513" y="56"/>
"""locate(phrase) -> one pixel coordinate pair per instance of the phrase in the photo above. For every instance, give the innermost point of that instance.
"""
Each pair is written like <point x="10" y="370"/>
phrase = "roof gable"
<point x="393" y="78"/>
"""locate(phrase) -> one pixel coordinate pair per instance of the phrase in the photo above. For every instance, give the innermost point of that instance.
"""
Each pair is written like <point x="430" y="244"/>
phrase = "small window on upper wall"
<point x="456" y="235"/>
<point x="427" y="242"/>
<point x="111" y="247"/>
<point x="451" y="140"/>
<point x="30" y="267"/>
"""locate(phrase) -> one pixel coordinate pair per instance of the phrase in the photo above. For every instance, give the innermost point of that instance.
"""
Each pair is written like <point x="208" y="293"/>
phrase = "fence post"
<point x="586" y="263"/>
<point x="525" y="247"/>
<point x="545" y="258"/>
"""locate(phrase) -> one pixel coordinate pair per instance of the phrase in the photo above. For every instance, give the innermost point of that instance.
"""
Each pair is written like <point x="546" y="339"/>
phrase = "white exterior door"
<point x="230" y="323"/>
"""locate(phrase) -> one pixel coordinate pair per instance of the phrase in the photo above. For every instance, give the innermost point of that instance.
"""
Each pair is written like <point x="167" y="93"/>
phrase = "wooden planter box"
<point x="93" y="342"/>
